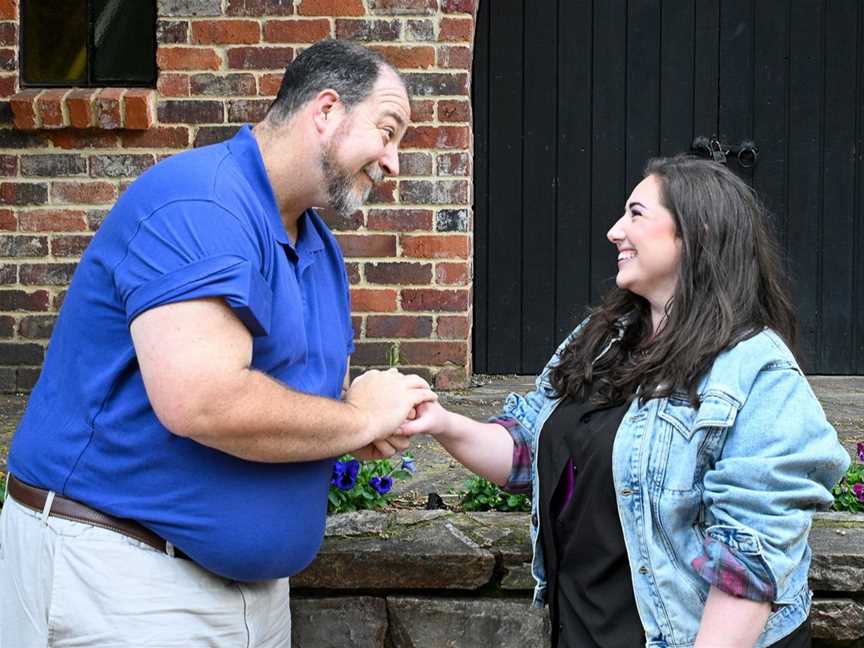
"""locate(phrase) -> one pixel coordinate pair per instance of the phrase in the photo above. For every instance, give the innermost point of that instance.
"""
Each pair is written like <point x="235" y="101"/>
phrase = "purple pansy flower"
<point x="858" y="489"/>
<point x="408" y="465"/>
<point x="382" y="485"/>
<point x="336" y="475"/>
<point x="860" y="449"/>
<point x="345" y="474"/>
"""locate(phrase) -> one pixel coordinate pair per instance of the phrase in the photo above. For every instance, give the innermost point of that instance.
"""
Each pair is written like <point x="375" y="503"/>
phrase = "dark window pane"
<point x="124" y="33"/>
<point x="54" y="42"/>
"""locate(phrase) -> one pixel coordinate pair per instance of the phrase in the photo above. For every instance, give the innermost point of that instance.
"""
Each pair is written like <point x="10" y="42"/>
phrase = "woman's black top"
<point x="590" y="592"/>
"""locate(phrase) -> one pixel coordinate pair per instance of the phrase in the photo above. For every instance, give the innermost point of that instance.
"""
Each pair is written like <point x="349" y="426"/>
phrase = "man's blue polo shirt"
<point x="200" y="224"/>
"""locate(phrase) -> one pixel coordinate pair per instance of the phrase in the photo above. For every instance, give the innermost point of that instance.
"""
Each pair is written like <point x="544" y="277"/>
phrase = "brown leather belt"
<point x="35" y="498"/>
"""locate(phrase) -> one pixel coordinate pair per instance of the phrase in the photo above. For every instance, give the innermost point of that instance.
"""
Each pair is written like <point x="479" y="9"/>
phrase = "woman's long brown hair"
<point x="730" y="286"/>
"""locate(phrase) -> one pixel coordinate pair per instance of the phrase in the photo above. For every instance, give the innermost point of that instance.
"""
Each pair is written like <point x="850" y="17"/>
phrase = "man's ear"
<point x="325" y="107"/>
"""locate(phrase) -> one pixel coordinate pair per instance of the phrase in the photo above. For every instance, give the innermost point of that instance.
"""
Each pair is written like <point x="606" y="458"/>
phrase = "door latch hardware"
<point x="713" y="149"/>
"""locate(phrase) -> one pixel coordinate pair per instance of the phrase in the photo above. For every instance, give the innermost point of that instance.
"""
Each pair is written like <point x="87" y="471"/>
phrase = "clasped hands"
<point x="393" y="407"/>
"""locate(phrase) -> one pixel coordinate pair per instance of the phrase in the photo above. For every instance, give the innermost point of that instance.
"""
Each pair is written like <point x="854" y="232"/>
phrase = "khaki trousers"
<point x="67" y="584"/>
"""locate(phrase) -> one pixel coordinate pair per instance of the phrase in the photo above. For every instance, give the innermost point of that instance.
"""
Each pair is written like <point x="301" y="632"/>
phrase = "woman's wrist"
<point x="449" y="428"/>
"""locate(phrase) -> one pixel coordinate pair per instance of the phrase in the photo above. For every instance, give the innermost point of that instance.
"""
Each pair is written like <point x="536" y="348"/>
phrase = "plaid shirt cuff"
<point x="729" y="572"/>
<point x="519" y="481"/>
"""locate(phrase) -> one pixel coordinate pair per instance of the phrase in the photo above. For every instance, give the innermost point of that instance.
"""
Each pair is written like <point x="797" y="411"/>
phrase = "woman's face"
<point x="649" y="251"/>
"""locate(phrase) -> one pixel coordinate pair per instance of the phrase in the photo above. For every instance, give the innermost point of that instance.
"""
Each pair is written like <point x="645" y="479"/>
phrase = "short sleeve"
<point x="194" y="250"/>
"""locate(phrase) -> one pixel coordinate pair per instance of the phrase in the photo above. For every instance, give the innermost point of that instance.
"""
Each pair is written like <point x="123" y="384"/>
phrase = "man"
<point x="172" y="467"/>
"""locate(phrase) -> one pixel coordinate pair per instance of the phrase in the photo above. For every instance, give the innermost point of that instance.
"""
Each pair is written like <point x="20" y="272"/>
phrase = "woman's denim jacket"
<point x="721" y="495"/>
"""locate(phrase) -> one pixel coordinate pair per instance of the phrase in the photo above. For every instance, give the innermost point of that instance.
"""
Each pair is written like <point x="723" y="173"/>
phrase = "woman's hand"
<point x="429" y="418"/>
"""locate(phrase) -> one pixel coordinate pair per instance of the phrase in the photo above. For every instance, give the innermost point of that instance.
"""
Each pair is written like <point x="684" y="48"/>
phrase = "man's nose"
<point x="390" y="160"/>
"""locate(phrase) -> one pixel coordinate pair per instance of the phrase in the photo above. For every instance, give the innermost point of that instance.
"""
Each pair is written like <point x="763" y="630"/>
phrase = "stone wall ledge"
<point x="421" y="550"/>
<point x="411" y="579"/>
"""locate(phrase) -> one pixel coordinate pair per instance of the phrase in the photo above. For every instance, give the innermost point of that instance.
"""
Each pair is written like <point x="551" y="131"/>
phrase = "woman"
<point x="675" y="450"/>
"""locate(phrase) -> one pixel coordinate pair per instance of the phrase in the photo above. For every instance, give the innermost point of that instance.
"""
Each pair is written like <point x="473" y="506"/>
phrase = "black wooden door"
<point x="571" y="97"/>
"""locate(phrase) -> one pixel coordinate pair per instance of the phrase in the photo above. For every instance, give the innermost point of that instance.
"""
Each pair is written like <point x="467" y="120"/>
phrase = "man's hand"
<point x="385" y="399"/>
<point x="382" y="449"/>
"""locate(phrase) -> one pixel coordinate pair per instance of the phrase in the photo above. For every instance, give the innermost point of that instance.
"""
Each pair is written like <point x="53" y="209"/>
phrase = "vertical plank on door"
<point x="539" y="128"/>
<point x="573" y="250"/>
<point x="505" y="185"/>
<point x="806" y="121"/>
<point x="838" y="186"/>
<point x="608" y="180"/>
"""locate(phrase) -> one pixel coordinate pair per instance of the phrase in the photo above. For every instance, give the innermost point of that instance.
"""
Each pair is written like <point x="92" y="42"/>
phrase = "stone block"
<point x="467" y="623"/>
<point x="836" y="541"/>
<point x="359" y="622"/>
<point x="837" y="619"/>
<point x="415" y="552"/>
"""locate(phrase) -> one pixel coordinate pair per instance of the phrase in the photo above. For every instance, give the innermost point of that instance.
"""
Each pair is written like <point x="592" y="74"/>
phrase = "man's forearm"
<point x="260" y="419"/>
<point x="731" y="622"/>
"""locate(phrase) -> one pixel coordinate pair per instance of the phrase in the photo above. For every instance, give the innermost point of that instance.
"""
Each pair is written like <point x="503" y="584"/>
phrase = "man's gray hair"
<point x="348" y="68"/>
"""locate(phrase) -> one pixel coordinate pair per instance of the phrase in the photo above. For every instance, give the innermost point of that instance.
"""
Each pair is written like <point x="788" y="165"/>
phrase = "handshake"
<point x="394" y="407"/>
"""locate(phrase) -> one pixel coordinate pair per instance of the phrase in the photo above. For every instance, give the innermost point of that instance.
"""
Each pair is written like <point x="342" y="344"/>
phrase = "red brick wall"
<point x="65" y="157"/>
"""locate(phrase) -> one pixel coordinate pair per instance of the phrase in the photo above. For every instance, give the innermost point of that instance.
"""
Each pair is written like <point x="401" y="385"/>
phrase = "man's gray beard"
<point x="341" y="196"/>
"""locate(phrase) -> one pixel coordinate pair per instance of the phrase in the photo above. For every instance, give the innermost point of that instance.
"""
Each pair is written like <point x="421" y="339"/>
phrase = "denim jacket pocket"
<point x="714" y="411"/>
<point x="689" y="442"/>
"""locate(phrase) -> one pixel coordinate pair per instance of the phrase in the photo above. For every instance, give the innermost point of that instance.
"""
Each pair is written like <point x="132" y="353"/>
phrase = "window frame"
<point x="89" y="83"/>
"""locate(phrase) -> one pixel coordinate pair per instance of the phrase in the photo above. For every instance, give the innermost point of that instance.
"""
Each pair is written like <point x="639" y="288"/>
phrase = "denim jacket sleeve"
<point x="519" y="418"/>
<point x="777" y="467"/>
